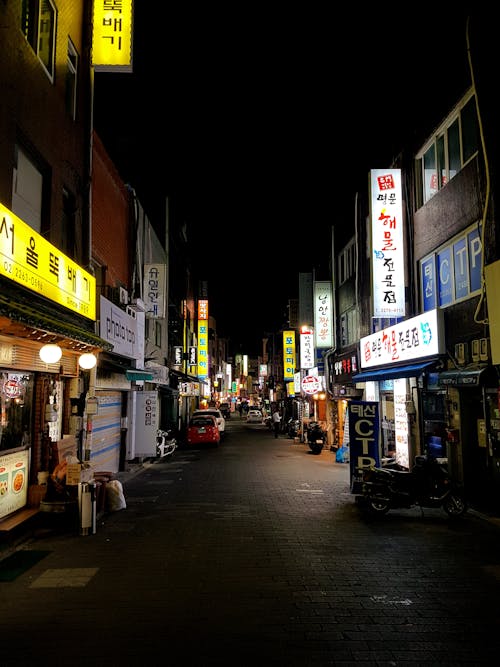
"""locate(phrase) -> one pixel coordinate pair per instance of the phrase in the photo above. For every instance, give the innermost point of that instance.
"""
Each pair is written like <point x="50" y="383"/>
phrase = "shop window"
<point x="16" y="398"/>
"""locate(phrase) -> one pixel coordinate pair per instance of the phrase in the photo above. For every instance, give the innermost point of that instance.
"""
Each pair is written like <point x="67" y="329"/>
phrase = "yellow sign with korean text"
<point x="289" y="355"/>
<point x="112" y="30"/>
<point x="28" y="259"/>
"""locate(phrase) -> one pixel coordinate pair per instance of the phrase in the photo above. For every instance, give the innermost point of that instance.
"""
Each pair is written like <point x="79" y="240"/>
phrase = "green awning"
<point x="134" y="375"/>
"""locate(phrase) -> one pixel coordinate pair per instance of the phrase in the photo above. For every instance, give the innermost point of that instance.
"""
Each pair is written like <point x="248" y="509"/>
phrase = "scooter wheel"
<point x="378" y="506"/>
<point x="454" y="505"/>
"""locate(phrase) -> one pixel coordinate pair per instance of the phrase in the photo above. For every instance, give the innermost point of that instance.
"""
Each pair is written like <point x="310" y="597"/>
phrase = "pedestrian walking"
<point x="276" y="422"/>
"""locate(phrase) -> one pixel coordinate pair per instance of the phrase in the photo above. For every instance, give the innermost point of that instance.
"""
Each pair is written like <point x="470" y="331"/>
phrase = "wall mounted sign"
<point x="28" y="259"/>
<point x="415" y="338"/>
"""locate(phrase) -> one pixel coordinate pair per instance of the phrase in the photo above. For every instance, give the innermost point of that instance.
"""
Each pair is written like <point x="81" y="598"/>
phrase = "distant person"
<point x="276" y="422"/>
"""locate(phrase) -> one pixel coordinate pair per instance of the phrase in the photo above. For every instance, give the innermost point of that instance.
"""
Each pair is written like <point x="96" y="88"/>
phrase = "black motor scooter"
<point x="316" y="437"/>
<point x="427" y="484"/>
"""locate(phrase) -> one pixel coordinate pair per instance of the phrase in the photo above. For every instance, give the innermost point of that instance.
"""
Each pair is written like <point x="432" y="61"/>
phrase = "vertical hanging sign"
<point x="155" y="287"/>
<point x="288" y="355"/>
<point x="386" y="218"/>
<point x="307" y="348"/>
<point x="112" y="30"/>
<point x="203" y="338"/>
<point x="323" y="314"/>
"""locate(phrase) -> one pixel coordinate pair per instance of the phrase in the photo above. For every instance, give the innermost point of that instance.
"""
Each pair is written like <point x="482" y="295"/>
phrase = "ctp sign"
<point x="311" y="384"/>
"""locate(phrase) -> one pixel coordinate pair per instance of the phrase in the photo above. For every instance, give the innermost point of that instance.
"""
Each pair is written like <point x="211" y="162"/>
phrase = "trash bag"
<point x="342" y="455"/>
<point x="115" y="499"/>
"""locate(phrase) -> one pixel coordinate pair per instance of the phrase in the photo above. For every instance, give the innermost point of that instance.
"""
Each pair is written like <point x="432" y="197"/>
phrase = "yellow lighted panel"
<point x="112" y="36"/>
<point x="28" y="259"/>
<point x="288" y="354"/>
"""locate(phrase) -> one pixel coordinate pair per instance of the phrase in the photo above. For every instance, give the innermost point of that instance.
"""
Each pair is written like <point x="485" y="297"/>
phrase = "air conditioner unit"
<point x="475" y="349"/>
<point x="460" y="353"/>
<point x="483" y="349"/>
<point x="123" y="295"/>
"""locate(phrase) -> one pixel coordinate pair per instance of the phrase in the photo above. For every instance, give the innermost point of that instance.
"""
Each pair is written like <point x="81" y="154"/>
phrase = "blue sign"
<point x="445" y="276"/>
<point x="453" y="273"/>
<point x="428" y="278"/>
<point x="364" y="443"/>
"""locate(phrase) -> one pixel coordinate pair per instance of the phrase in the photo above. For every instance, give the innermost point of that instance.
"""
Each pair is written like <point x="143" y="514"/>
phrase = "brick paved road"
<point x="256" y="554"/>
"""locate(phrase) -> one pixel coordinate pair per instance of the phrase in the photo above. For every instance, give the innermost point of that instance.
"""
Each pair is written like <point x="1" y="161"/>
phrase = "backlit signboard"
<point x="288" y="355"/>
<point x="388" y="269"/>
<point x="323" y="314"/>
<point x="307" y="348"/>
<point x="415" y="338"/>
<point x="112" y="32"/>
<point x="28" y="259"/>
<point x="202" y="338"/>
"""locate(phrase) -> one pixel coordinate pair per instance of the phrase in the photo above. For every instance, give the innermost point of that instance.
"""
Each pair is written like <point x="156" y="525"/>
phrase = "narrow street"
<point x="255" y="553"/>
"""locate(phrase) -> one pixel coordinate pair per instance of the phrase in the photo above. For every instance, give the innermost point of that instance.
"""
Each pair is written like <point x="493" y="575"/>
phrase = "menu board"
<point x="13" y="482"/>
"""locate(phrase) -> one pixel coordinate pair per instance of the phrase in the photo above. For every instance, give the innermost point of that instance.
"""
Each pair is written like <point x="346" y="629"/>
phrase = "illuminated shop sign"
<point x="112" y="35"/>
<point x="344" y="366"/>
<point x="307" y="348"/>
<point x="323" y="314"/>
<point x="289" y="355"/>
<point x="388" y="270"/>
<point x="28" y="259"/>
<point x="415" y="338"/>
<point x="202" y="338"/>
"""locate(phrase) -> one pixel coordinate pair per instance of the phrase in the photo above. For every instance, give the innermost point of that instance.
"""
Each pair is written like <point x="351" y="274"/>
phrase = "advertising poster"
<point x="363" y="437"/>
<point x="13" y="482"/>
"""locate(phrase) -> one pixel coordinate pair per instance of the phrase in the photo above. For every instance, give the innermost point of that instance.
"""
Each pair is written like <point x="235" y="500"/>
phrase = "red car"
<point x="203" y="430"/>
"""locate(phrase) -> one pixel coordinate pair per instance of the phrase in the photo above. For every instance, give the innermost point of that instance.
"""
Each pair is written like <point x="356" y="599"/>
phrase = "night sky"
<point x="260" y="125"/>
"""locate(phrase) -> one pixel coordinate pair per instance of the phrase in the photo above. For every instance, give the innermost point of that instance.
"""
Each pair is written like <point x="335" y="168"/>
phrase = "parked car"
<point x="215" y="412"/>
<point x="203" y="430"/>
<point x="254" y="416"/>
<point x="225" y="408"/>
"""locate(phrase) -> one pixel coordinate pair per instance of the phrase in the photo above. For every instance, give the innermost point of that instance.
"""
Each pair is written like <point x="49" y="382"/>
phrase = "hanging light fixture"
<point x="87" y="361"/>
<point x="50" y="354"/>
